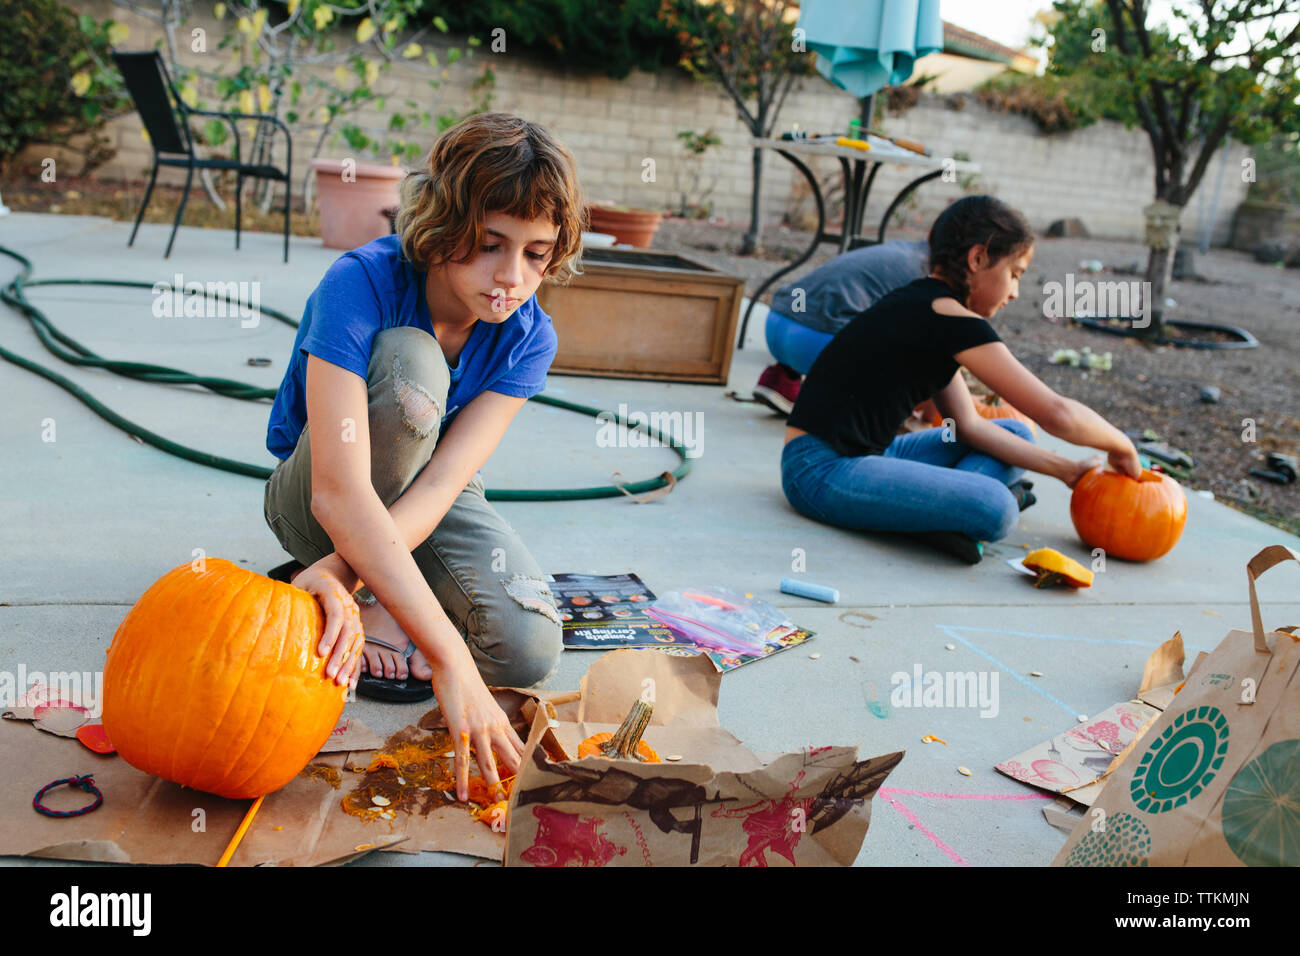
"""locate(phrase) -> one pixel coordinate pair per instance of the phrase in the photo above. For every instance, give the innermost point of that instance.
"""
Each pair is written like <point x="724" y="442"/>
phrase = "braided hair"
<point x="972" y="221"/>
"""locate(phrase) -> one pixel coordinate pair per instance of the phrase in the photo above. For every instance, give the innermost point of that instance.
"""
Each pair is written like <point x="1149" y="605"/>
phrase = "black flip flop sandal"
<point x="284" y="571"/>
<point x="409" y="690"/>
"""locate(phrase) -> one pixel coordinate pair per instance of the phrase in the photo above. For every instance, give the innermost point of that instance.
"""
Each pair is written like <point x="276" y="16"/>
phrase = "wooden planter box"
<point x="646" y="315"/>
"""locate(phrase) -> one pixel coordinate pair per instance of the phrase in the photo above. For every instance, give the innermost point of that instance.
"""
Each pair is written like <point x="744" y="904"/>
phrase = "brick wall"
<point x="1102" y="174"/>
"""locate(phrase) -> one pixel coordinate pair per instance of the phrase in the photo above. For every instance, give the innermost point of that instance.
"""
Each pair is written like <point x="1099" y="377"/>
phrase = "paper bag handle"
<point x="1273" y="554"/>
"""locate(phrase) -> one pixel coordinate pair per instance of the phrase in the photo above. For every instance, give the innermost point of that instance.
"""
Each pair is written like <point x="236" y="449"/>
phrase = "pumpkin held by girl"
<point x="1136" y="519"/>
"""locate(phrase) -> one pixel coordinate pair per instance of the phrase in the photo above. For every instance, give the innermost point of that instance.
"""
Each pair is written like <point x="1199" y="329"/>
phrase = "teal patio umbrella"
<point x="863" y="45"/>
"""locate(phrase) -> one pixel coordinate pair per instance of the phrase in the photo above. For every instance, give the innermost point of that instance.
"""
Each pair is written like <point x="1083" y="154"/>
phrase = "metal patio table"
<point x="859" y="168"/>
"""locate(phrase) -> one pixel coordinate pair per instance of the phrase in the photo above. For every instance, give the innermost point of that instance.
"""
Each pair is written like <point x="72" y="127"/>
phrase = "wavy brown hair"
<point x="491" y="162"/>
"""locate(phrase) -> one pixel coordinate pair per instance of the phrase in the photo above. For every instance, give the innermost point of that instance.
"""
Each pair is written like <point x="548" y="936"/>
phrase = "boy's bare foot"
<point x="378" y="623"/>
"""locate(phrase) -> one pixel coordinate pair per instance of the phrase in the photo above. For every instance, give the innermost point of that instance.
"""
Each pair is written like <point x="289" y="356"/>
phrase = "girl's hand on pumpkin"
<point x="1077" y="469"/>
<point x="1125" y="461"/>
<point x="475" y="721"/>
<point x="343" y="637"/>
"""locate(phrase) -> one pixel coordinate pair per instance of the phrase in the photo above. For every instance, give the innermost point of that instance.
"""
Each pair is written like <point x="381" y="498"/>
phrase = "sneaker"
<point x="955" y="543"/>
<point x="1024" y="497"/>
<point x="778" y="388"/>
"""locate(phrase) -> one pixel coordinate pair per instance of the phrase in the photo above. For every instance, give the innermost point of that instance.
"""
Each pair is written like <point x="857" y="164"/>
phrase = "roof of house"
<point x="963" y="42"/>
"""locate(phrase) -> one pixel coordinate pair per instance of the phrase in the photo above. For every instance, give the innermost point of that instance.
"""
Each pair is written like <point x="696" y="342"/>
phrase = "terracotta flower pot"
<point x="353" y="210"/>
<point x="636" y="227"/>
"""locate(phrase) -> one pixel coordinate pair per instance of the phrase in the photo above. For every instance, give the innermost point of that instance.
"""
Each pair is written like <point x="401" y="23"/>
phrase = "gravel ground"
<point x="1155" y="387"/>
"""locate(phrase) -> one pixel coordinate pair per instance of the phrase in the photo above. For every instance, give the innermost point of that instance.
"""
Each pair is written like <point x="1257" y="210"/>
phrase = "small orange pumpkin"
<point x="213" y="681"/>
<point x="1136" y="519"/>
<point x="625" y="743"/>
<point x="591" y="747"/>
<point x="988" y="406"/>
<point x="993" y="407"/>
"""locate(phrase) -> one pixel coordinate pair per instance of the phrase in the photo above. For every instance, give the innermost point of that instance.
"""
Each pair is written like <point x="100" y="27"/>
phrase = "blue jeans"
<point x="919" y="483"/>
<point x="794" y="344"/>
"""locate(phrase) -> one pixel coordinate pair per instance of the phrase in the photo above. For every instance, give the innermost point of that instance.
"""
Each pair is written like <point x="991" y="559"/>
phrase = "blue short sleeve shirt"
<point x="374" y="287"/>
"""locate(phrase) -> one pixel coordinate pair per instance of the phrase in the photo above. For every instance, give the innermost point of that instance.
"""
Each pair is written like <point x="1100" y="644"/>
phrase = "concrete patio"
<point x="93" y="518"/>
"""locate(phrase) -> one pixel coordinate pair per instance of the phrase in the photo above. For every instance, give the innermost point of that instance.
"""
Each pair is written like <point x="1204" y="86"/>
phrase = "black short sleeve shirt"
<point x="881" y="365"/>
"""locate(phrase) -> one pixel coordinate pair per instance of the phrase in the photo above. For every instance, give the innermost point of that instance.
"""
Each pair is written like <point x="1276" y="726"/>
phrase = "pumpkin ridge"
<point x="187" y="740"/>
<point x="122" y="659"/>
<point x="185" y="591"/>
<point x="198" y="592"/>
<point x="251" y="720"/>
<point x="294" y="626"/>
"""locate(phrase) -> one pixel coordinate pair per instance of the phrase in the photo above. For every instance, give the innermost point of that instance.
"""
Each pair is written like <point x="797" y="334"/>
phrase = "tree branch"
<point x="1213" y="140"/>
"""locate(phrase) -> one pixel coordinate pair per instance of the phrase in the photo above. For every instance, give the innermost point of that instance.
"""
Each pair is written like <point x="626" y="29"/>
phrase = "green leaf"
<point x="453" y="55"/>
<point x="215" y="132"/>
<point x="440" y="23"/>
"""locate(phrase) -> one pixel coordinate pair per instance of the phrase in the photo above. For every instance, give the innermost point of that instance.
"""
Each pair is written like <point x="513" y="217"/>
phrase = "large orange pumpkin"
<point x="1137" y="519"/>
<point x="213" y="681"/>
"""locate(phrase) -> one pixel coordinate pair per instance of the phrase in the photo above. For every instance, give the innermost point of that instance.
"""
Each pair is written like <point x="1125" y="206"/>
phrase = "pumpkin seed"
<point x="1083" y="718"/>
<point x="673" y="757"/>
<point x="402" y="781"/>
<point x="950" y="647"/>
<point x="380" y="801"/>
<point x="1035" y="673"/>
<point x="964" y="771"/>
<point x="813" y="657"/>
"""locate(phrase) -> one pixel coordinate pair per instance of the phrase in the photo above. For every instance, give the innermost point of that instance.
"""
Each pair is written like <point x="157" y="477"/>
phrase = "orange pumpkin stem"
<point x="624" y="744"/>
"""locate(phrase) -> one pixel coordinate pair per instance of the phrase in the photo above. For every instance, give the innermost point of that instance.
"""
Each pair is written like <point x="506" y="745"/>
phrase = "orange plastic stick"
<point x="239" y="834"/>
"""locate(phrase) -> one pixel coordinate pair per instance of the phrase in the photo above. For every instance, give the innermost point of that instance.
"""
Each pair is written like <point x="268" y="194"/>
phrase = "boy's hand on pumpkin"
<point x="475" y="721"/>
<point x="343" y="637"/>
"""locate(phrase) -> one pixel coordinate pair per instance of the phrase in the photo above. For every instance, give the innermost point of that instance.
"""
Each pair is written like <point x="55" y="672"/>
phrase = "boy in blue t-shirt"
<point x="414" y="354"/>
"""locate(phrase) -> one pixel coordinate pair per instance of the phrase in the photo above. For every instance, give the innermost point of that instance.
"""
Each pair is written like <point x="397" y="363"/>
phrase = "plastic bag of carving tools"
<point x="720" y="619"/>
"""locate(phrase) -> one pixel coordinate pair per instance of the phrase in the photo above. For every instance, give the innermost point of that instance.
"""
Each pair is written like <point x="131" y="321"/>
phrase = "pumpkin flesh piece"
<point x="1052" y="568"/>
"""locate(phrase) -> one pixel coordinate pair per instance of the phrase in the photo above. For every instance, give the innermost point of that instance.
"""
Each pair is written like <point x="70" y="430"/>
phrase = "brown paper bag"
<point x="1216" y="780"/>
<point x="719" y="805"/>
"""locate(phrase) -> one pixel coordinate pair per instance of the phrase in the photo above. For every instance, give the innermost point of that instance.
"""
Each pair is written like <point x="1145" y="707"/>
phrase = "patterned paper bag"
<point x="1216" y="780"/>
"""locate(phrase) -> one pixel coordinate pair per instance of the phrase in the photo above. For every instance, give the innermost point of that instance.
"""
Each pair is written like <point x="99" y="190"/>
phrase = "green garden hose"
<point x="77" y="354"/>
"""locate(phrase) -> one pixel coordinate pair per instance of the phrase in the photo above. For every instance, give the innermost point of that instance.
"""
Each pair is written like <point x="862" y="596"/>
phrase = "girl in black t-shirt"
<point x="960" y="484"/>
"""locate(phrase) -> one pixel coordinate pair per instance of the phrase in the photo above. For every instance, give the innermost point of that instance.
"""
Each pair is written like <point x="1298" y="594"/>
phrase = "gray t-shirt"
<point x="848" y="285"/>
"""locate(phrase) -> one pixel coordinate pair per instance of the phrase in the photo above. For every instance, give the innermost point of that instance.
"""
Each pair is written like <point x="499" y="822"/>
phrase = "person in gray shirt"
<point x="806" y="314"/>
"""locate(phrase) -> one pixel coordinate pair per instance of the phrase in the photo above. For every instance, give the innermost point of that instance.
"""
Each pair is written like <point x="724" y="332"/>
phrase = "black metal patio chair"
<point x="166" y="119"/>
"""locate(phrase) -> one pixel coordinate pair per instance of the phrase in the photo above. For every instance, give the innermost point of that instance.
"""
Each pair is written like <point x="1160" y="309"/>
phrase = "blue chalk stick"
<point x="814" y="591"/>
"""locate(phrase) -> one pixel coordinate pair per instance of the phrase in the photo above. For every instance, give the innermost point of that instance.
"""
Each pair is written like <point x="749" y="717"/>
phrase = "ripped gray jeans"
<point x="478" y="569"/>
